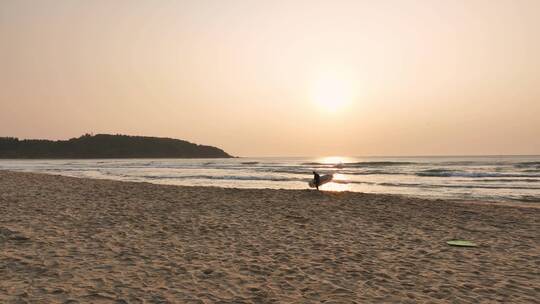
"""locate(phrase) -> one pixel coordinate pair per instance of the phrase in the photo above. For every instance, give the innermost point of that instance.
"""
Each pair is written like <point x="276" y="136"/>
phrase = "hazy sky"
<point x="276" y="78"/>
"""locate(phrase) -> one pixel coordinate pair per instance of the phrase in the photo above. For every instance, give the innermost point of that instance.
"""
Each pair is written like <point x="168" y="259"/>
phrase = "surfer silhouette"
<point x="317" y="179"/>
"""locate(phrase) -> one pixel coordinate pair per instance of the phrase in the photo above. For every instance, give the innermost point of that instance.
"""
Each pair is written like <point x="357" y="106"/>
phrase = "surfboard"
<point x="461" y="243"/>
<point x="324" y="179"/>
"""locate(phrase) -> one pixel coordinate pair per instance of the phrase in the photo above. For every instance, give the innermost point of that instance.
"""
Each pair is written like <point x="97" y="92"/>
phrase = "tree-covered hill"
<point x="107" y="146"/>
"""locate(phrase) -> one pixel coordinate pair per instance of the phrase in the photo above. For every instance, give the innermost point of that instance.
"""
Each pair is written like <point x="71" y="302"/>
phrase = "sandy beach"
<point x="70" y="240"/>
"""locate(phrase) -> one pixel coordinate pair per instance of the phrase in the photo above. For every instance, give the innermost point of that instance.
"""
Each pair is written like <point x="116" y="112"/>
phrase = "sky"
<point x="278" y="78"/>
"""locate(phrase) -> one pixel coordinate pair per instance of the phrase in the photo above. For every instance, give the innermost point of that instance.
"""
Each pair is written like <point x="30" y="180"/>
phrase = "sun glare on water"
<point x="331" y="94"/>
<point x="334" y="160"/>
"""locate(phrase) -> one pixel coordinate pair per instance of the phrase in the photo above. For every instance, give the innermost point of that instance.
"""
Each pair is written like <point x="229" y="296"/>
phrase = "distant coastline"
<point x="103" y="146"/>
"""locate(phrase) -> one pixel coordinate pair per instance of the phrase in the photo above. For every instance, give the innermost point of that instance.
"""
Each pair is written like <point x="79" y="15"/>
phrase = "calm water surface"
<point x="508" y="178"/>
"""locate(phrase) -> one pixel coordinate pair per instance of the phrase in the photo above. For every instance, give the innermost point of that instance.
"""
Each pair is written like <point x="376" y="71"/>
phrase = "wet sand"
<point x="69" y="240"/>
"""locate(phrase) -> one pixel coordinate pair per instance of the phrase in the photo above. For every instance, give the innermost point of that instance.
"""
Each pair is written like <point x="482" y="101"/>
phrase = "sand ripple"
<point x="67" y="240"/>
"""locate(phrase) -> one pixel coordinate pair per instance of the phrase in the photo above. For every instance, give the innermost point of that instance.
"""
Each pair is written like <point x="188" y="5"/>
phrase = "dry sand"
<point x="69" y="240"/>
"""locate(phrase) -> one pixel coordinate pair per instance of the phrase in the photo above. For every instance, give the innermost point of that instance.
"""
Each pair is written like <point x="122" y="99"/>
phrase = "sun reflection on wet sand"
<point x="332" y="164"/>
<point x="338" y="183"/>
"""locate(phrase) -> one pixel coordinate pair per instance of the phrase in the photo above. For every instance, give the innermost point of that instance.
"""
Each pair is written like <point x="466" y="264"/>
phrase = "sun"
<point x="331" y="94"/>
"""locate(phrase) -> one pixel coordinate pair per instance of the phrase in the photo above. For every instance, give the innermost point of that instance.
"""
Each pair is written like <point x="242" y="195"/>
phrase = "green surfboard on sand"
<point x="461" y="243"/>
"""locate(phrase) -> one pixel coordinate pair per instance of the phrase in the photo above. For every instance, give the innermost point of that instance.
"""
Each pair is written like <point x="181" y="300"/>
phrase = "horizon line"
<point x="400" y="156"/>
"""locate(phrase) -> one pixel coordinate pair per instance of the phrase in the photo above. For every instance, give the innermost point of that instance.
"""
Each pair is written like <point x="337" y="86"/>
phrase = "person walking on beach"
<point x="317" y="179"/>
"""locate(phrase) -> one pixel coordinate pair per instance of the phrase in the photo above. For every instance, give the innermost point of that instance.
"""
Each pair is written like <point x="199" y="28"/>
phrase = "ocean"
<point x="488" y="178"/>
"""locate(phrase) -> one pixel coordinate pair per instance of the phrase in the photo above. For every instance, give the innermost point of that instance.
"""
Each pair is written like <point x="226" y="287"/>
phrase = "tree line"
<point x="107" y="146"/>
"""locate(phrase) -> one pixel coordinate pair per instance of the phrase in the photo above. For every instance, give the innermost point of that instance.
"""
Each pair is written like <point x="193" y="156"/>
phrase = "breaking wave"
<point x="417" y="185"/>
<point x="527" y="198"/>
<point x="526" y="165"/>
<point x="360" y="164"/>
<point x="458" y="173"/>
<point x="227" y="177"/>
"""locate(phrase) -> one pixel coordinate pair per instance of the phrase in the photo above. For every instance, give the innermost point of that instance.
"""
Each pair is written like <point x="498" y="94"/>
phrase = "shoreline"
<point x="70" y="240"/>
<point x="519" y="204"/>
<point x="491" y="179"/>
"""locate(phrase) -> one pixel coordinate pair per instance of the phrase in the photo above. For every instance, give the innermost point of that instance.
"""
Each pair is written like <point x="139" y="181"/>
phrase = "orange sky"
<point x="278" y="78"/>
